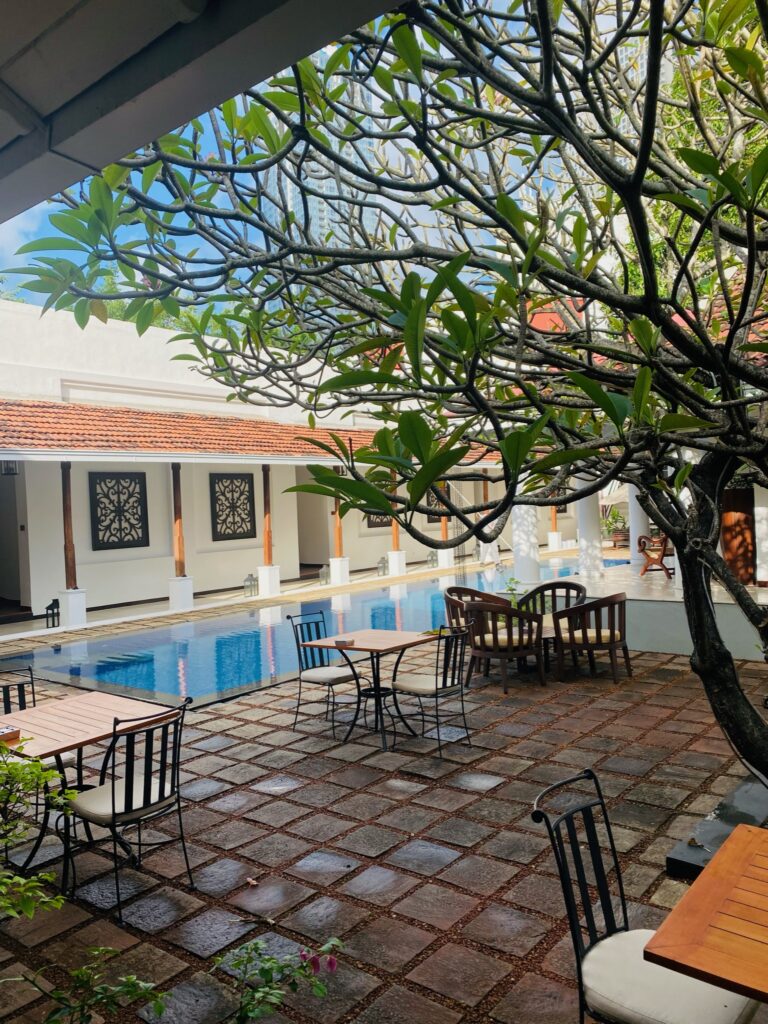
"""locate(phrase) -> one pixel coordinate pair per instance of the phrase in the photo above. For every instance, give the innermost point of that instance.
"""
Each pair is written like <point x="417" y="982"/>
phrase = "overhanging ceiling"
<point x="83" y="82"/>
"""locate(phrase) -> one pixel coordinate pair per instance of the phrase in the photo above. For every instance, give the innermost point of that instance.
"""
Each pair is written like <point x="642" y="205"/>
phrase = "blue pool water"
<point x="214" y="658"/>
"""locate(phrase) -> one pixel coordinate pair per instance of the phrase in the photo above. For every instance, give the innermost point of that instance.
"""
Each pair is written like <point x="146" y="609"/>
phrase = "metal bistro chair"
<point x="548" y="598"/>
<point x="593" y="627"/>
<point x="315" y="666"/>
<point x="447" y="683"/>
<point x="616" y="985"/>
<point x="149" y="788"/>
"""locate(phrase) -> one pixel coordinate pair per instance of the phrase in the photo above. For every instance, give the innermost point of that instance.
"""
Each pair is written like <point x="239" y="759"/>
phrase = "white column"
<point x="590" y="539"/>
<point x="525" y="544"/>
<point x="639" y="524"/>
<point x="339" y="571"/>
<point x="446" y="558"/>
<point x="269" y="580"/>
<point x="72" y="608"/>
<point x="396" y="561"/>
<point x="181" y="593"/>
<point x="761" y="534"/>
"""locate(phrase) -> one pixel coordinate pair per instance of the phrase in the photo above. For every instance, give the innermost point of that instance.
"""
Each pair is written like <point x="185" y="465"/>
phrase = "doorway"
<point x="11" y="607"/>
<point x="737" y="532"/>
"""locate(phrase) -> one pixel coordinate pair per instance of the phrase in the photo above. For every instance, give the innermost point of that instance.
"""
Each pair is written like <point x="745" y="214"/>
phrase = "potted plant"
<point x="614" y="525"/>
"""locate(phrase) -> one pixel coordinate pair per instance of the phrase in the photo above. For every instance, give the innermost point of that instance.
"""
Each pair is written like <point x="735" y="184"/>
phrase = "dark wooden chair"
<point x="654" y="550"/>
<point x="457" y="602"/>
<point x="590" y="628"/>
<point x="548" y="598"/>
<point x="503" y="635"/>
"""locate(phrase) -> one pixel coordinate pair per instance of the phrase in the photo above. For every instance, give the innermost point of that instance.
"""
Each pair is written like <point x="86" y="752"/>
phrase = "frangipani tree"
<point x="532" y="228"/>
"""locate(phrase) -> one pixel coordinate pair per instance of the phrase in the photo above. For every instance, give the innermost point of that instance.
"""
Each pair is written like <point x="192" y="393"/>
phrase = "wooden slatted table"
<point x="376" y="643"/>
<point x="57" y="726"/>
<point x="718" y="932"/>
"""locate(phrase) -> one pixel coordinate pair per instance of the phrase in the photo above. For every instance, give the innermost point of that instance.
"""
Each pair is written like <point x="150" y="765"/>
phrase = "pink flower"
<point x="304" y="955"/>
<point x="314" y="961"/>
<point x="331" y="963"/>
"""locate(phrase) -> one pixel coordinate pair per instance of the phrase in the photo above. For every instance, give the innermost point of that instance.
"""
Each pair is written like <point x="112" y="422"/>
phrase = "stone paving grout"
<point x="524" y="740"/>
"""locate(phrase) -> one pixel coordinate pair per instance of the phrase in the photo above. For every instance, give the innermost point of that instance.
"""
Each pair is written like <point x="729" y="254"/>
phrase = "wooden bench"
<point x="654" y="551"/>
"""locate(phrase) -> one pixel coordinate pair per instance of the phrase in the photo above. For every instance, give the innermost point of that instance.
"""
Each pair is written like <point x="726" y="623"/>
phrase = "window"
<point x="232" y="513"/>
<point x="118" y="510"/>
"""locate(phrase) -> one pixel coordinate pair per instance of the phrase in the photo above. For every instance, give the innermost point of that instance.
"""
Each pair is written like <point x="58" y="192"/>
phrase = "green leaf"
<point x="51" y="244"/>
<point x="408" y="49"/>
<point x="563" y="458"/>
<point x="434" y="470"/>
<point x="413" y="335"/>
<point x="82" y="313"/>
<point x="645" y="334"/>
<point x="640" y="393"/>
<point x="682" y="421"/>
<point x="699" y="161"/>
<point x="144" y="317"/>
<point x="681" y="476"/>
<point x="516" y="446"/>
<point x="614" y="406"/>
<point x="359" y="379"/>
<point x="416" y="435"/>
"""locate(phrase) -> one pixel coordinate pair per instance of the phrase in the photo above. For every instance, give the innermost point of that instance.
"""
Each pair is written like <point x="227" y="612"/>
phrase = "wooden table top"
<point x="57" y="726"/>
<point x="718" y="932"/>
<point x="374" y="641"/>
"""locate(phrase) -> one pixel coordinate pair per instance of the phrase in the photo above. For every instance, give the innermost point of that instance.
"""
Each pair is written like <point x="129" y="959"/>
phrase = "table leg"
<point x="377" y="701"/>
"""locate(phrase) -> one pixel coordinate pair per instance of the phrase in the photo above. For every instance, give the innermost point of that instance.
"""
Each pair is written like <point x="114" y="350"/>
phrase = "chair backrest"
<point x="450" y="652"/>
<point x="593" y="623"/>
<point x="152" y="753"/>
<point x="494" y="629"/>
<point x="17" y="690"/>
<point x="553" y="597"/>
<point x="467" y="594"/>
<point x="310" y="626"/>
<point x="585" y="853"/>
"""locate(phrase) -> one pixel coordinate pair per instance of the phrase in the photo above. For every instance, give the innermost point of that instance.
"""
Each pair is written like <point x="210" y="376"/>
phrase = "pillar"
<point x="72" y="602"/>
<point x="181" y="590"/>
<point x="761" y="534"/>
<point x="590" y="538"/>
<point x="396" y="560"/>
<point x="338" y="565"/>
<point x="639" y="524"/>
<point x="554" y="537"/>
<point x="525" y="544"/>
<point x="446" y="557"/>
<point x="268" y="574"/>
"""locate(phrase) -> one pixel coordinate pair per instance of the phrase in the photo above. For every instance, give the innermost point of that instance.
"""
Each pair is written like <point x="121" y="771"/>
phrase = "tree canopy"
<point x="533" y="228"/>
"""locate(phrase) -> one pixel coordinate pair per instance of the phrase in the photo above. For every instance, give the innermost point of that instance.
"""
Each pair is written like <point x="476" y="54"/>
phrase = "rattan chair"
<point x="616" y="985"/>
<point x="147" y="751"/>
<point x="316" y="668"/>
<point x="590" y="628"/>
<point x="447" y="683"/>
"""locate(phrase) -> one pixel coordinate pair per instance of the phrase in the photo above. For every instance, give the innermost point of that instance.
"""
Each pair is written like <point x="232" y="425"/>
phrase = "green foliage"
<point x="262" y="981"/>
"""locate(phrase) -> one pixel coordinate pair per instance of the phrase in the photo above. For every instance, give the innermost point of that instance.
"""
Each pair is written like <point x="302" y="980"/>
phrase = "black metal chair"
<point x="616" y="985"/>
<point x="447" y="683"/>
<point x="149" y="751"/>
<point x="315" y="665"/>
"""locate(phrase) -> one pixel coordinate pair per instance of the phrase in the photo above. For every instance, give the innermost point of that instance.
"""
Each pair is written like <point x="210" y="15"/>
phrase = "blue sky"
<point x="33" y="223"/>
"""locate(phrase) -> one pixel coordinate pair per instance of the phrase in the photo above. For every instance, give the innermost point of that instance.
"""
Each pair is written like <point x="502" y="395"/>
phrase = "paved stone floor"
<point x="430" y="870"/>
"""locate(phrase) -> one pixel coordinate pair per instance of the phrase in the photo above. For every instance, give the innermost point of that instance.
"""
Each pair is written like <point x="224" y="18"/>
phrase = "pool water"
<point x="215" y="658"/>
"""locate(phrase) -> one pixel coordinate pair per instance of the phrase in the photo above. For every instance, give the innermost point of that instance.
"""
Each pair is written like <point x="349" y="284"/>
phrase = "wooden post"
<point x="267" y="517"/>
<point x="443" y="524"/>
<point x="553" y="518"/>
<point x="70" y="562"/>
<point x="178" y="521"/>
<point x="395" y="524"/>
<point x="485" y="490"/>
<point x="338" y="532"/>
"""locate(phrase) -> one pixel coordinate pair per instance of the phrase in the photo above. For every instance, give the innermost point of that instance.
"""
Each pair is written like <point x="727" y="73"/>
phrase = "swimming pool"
<point x="215" y="658"/>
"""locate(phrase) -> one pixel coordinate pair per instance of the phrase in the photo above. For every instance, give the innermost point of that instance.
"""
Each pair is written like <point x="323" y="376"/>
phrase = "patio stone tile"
<point x="320" y="794"/>
<point x="280" y="758"/>
<point x="538" y="1000"/>
<point x="271" y="896"/>
<point x="669" y="893"/>
<point x="196" y="819"/>
<point x="515" y="846"/>
<point x="202" y="789"/>
<point x="364" y="806"/>
<point x="347" y="987"/>
<point x="238" y="802"/>
<point x="502" y="764"/>
<point x="506" y="929"/>
<point x="476" y="782"/>
<point x="436" y="905"/>
<point x="101" y="893"/>
<point x="16" y="994"/>
<point x="479" y="874"/>
<point x="641" y="816"/>
<point x="44" y="926"/>
<point x="169" y="860"/>
<point x="323" y="867"/>
<point x="210" y="743"/>
<point x="355" y="776"/>
<point x="200" y="999"/>
<point x="208" y="764"/>
<point x="627" y="765"/>
<point x="321" y="827"/>
<point x="274" y="849"/>
<point x="72" y="951"/>
<point x="397" y="789"/>
<point x="538" y="892"/>
<point x="246" y="751"/>
<point x="233" y="833"/>
<point x="241" y="772"/>
<point x="445" y="799"/>
<point x="409" y="819"/>
<point x="370" y="840"/>
<point x="388" y="944"/>
<point x="389" y="760"/>
<point x="459" y="973"/>
<point x="223" y="876"/>
<point x="428" y="767"/>
<point x="495" y="811"/>
<point x="378" y="885"/>
<point x="148" y="962"/>
<point x="323" y="917"/>
<point x="278" y="813"/>
<point x="668" y="797"/>
<point x="315" y="767"/>
<point x="423" y="857"/>
<point x="278" y="785"/>
<point x="401" y="1006"/>
<point x="161" y="909"/>
<point x="638" y="878"/>
<point x="460" y="832"/>
<point x="208" y="933"/>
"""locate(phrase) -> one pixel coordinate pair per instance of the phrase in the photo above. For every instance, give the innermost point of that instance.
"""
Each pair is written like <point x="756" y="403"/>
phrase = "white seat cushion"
<point x="623" y="987"/>
<point x="95" y="804"/>
<point x="423" y="686"/>
<point x="328" y="675"/>
<point x="501" y="638"/>
<point x="591" y="634"/>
